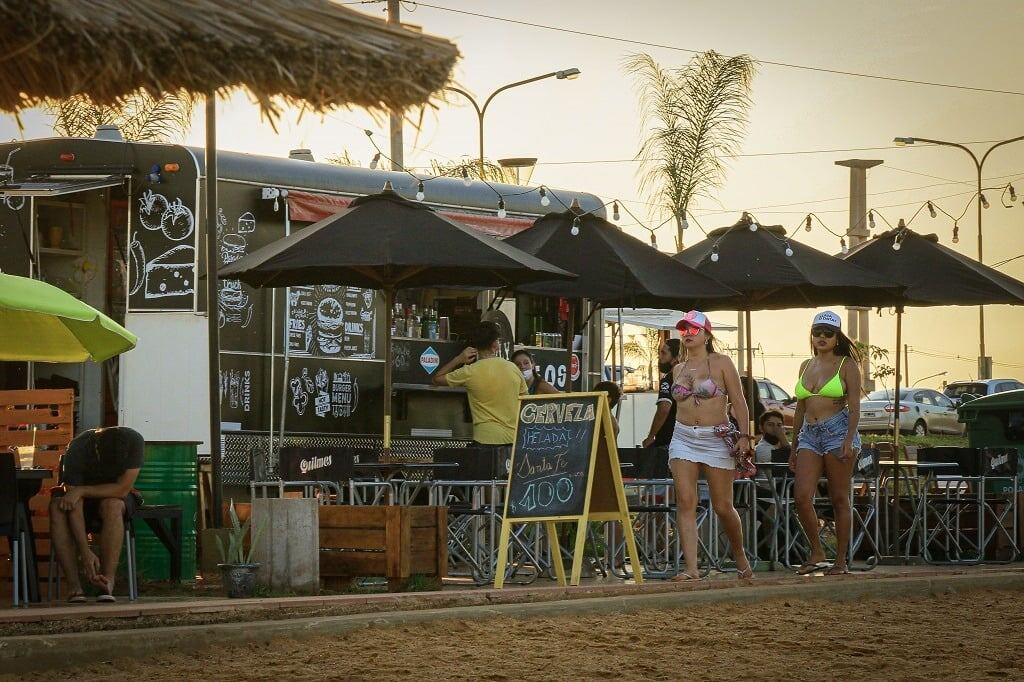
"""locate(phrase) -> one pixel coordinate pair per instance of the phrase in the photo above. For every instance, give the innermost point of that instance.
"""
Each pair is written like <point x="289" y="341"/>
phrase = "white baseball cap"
<point x="827" y="318"/>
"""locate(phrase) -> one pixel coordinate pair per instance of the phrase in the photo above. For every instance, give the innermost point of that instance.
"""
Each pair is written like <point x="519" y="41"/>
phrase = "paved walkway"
<point x="541" y="591"/>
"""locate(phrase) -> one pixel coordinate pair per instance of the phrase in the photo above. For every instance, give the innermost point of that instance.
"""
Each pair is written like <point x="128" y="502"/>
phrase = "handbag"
<point x="745" y="467"/>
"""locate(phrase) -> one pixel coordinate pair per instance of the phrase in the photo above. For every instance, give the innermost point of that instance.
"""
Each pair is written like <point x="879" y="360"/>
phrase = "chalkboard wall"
<point x="551" y="460"/>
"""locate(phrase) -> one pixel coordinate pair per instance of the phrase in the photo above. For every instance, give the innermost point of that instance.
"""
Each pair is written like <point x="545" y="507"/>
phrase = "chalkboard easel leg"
<point x="556" y="551"/>
<point x="634" y="556"/>
<point x="578" y="550"/>
<point x="499" y="569"/>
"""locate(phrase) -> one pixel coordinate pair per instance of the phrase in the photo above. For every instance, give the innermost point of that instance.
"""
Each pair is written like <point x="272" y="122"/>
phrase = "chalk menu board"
<point x="162" y="247"/>
<point x="245" y="391"/>
<point x="330" y="396"/>
<point x="330" y="321"/>
<point x="555" y="439"/>
<point x="246" y="315"/>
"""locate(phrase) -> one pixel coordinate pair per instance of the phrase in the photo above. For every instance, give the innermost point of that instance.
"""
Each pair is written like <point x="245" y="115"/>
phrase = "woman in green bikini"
<point x="827" y="413"/>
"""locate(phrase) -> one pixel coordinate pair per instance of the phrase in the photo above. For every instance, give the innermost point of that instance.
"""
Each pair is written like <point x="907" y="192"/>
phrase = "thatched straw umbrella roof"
<point x="312" y="53"/>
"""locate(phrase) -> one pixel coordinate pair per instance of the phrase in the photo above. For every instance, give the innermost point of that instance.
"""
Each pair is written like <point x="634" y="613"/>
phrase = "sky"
<point x="596" y="118"/>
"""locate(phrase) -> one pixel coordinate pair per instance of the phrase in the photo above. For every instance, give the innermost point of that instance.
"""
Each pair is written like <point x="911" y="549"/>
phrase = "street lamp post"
<point x="984" y="367"/>
<point x="564" y="74"/>
<point x="931" y="376"/>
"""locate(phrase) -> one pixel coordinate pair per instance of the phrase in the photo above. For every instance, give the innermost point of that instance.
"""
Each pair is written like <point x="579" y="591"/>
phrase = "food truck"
<point x="121" y="226"/>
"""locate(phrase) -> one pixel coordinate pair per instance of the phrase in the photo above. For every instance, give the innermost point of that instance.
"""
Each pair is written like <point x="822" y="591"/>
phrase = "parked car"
<point x="922" y="411"/>
<point x="773" y="397"/>
<point x="957" y="390"/>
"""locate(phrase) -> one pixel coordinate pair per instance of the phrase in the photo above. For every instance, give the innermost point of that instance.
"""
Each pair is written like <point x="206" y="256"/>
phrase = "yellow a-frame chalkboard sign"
<point x="565" y="467"/>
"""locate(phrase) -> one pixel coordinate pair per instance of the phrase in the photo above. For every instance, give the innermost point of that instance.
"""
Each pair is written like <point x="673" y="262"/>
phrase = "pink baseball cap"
<point x="695" y="318"/>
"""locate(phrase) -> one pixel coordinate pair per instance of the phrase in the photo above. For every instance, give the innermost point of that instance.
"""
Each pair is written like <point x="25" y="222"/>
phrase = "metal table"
<point x="391" y="472"/>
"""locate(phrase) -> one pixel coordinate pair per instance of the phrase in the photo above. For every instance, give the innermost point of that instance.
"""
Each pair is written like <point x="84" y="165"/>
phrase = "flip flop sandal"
<point x="807" y="569"/>
<point x="685" y="577"/>
<point x="839" y="571"/>
<point x="77" y="598"/>
<point x="745" y="575"/>
<point x="106" y="599"/>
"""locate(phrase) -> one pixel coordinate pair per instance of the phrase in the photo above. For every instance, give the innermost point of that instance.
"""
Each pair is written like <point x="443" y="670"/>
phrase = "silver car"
<point x="922" y="411"/>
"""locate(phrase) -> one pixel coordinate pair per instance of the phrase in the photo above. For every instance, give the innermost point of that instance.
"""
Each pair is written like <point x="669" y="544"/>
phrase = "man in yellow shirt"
<point x="492" y="383"/>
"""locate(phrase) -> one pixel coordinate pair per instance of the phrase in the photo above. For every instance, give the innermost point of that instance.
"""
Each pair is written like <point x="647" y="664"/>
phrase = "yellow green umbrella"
<point x="42" y="323"/>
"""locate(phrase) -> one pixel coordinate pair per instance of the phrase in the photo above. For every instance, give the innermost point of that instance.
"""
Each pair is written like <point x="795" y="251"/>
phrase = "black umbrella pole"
<point x="389" y="301"/>
<point x="213" y="329"/>
<point x="751" y="384"/>
<point x="896" y="435"/>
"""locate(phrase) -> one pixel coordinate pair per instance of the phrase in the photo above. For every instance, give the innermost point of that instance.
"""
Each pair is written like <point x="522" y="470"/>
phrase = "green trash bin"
<point x="169" y="475"/>
<point x="997" y="421"/>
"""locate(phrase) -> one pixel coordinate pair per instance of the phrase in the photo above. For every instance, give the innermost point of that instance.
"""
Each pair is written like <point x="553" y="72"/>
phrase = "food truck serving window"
<point x="56" y="185"/>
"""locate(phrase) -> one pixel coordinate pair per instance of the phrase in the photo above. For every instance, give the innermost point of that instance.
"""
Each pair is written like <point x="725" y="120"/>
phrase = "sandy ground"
<point x="969" y="636"/>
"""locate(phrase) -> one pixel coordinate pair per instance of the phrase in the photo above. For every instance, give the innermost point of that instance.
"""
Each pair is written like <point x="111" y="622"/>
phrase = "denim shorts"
<point x="828" y="435"/>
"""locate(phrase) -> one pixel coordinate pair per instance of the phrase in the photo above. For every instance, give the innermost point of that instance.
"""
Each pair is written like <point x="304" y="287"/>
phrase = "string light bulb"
<point x="501" y="208"/>
<point x="1013" y="193"/>
<point x="575" y="226"/>
<point x="753" y="226"/>
<point x="871" y="219"/>
<point x="789" y="250"/>
<point x="984" y="201"/>
<point x="544" y="200"/>
<point x="374" y="161"/>
<point x="685" y="224"/>
<point x="466" y="180"/>
<point x="931" y="210"/>
<point x="956" y="233"/>
<point x="807" y="222"/>
<point x="714" y="254"/>
<point x="842" y="246"/>
<point x="615" y="210"/>
<point x="420" y="194"/>
<point x="654" y="240"/>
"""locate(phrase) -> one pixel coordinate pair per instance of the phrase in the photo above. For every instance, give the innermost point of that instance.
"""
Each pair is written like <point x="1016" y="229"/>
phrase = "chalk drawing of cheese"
<point x="171" y="273"/>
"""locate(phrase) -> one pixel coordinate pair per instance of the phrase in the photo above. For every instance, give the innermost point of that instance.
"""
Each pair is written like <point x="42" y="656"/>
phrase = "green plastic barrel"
<point x="169" y="475"/>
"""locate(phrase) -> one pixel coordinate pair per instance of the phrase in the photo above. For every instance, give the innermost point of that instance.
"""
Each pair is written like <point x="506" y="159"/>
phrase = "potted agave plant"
<point x="237" y="568"/>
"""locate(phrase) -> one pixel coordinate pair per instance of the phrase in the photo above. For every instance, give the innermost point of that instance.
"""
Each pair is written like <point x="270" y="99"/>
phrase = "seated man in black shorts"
<point x="95" y="496"/>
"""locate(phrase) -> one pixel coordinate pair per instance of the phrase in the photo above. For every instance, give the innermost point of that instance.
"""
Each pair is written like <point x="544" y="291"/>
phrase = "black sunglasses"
<point x="827" y="332"/>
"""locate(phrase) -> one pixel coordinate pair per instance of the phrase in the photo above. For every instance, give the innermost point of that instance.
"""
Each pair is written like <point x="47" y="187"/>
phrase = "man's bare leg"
<point x="67" y="533"/>
<point x="111" y="539"/>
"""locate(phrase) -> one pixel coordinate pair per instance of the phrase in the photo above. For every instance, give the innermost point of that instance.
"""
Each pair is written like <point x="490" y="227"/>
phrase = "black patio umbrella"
<point x="933" y="275"/>
<point x="613" y="267"/>
<point x="383" y="241"/>
<point x="773" y="273"/>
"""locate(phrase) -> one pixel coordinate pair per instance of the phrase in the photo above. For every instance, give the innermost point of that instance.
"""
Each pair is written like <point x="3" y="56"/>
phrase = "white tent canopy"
<point x="654" y="318"/>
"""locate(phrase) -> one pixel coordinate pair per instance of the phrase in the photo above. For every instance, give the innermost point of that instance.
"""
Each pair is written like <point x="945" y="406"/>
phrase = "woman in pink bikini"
<point x="703" y="385"/>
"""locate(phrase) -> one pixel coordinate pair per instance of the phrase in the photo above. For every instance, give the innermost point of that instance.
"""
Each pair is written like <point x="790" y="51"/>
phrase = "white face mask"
<point x="527" y="374"/>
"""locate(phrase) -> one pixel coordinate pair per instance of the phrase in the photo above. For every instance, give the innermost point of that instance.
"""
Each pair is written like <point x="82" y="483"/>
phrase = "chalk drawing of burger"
<point x="329" y="321"/>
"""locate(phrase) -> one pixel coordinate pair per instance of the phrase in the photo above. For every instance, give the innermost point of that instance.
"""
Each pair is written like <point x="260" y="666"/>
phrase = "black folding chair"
<point x="14" y="525"/>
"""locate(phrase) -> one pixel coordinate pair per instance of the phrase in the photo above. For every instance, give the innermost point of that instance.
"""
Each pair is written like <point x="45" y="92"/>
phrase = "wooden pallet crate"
<point x="396" y="542"/>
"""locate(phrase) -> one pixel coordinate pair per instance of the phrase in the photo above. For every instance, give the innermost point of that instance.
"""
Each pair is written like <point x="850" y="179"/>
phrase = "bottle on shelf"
<point x="414" y="322"/>
<point x="398" y="328"/>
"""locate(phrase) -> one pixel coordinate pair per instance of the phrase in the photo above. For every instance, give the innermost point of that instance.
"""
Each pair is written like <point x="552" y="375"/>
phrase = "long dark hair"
<point x="845" y="347"/>
<point x="533" y="363"/>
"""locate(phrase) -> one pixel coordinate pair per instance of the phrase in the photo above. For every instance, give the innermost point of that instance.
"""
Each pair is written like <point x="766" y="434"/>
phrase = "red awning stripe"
<point x="310" y="207"/>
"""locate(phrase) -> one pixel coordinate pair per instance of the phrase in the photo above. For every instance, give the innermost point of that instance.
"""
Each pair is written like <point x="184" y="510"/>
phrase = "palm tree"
<point x="493" y="172"/>
<point x="693" y="117"/>
<point x="141" y="117"/>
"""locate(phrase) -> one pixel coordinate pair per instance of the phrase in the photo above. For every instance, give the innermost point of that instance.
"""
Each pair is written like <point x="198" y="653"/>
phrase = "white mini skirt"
<point x="700" y="444"/>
